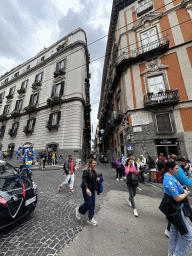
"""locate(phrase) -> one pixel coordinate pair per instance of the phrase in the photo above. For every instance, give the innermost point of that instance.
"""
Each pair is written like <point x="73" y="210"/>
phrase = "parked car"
<point x="18" y="195"/>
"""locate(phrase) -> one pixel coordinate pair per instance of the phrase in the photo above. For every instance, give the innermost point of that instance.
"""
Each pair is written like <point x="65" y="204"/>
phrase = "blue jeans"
<point x="180" y="245"/>
<point x="145" y="171"/>
<point x="89" y="204"/>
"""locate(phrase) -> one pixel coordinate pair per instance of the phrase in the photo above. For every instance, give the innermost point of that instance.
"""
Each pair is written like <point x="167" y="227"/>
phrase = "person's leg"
<point x="149" y="175"/>
<point x="116" y="173"/>
<point x="184" y="242"/>
<point x="86" y="206"/>
<point x="131" y="196"/>
<point x="154" y="176"/>
<point x="66" y="180"/>
<point x="92" y="206"/>
<point x="120" y="173"/>
<point x="71" y="182"/>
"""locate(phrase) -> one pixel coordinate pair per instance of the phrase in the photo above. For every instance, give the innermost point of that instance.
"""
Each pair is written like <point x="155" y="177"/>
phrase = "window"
<point x="24" y="84"/>
<point x="54" y="119"/>
<point x="60" y="65"/>
<point x="26" y="68"/>
<point x="2" y="94"/>
<point x="6" y="109"/>
<point x="43" y="58"/>
<point x="57" y="89"/>
<point x="16" y="74"/>
<point x="34" y="99"/>
<point x="30" y="125"/>
<point x="163" y="123"/>
<point x="149" y="39"/>
<point x="38" y="77"/>
<point x="18" y="105"/>
<point x="156" y="84"/>
<point x="15" y="127"/>
<point x="121" y="138"/>
<point x="12" y="90"/>
<point x="6" y="80"/>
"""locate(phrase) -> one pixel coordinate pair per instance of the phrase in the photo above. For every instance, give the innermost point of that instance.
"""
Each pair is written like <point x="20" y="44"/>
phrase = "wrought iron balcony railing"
<point x="164" y="41"/>
<point x="156" y="99"/>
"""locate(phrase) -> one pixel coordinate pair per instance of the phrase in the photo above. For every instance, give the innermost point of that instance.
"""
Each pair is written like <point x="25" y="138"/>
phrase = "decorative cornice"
<point x="147" y="18"/>
<point x="154" y="66"/>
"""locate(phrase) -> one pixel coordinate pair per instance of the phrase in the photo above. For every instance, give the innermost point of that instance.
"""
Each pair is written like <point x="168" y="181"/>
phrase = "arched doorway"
<point x="51" y="148"/>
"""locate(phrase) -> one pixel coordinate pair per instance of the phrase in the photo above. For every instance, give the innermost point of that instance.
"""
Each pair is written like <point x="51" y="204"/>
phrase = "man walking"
<point x="69" y="168"/>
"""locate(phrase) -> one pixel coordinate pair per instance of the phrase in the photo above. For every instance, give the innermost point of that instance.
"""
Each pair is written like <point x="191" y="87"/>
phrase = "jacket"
<point x="89" y="180"/>
<point x="172" y="210"/>
<point x="151" y="163"/>
<point x="67" y="167"/>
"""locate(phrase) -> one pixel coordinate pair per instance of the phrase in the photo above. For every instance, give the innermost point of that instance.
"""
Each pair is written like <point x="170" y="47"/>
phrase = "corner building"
<point x="45" y="101"/>
<point x="146" y="93"/>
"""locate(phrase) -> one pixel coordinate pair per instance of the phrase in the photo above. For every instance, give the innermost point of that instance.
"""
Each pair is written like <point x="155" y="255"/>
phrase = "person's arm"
<point x="182" y="178"/>
<point x="180" y="197"/>
<point x="135" y="170"/>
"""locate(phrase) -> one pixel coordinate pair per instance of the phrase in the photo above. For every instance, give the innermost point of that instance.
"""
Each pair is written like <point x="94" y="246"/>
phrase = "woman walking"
<point x="176" y="207"/>
<point x="118" y="165"/>
<point x="89" y="180"/>
<point x="132" y="185"/>
<point x="152" y="168"/>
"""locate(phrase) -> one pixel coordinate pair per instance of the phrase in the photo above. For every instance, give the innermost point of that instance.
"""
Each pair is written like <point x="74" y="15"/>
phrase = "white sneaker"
<point x="92" y="222"/>
<point x="129" y="202"/>
<point x="117" y="179"/>
<point x="166" y="232"/>
<point x="135" y="212"/>
<point x="124" y="178"/>
<point x="78" y="216"/>
<point x="121" y="179"/>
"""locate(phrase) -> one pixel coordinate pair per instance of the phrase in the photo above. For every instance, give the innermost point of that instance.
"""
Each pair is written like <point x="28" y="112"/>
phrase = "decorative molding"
<point x="154" y="66"/>
<point x="149" y="18"/>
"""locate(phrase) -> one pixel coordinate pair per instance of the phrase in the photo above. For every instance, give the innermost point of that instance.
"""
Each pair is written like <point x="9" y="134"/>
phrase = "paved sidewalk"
<point x="119" y="232"/>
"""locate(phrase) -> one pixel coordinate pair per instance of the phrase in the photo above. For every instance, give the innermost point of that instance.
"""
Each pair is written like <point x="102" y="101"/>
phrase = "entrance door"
<point x="173" y="149"/>
<point x="161" y="149"/>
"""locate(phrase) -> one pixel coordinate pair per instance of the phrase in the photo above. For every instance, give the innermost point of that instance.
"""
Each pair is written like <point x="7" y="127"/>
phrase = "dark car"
<point x="18" y="195"/>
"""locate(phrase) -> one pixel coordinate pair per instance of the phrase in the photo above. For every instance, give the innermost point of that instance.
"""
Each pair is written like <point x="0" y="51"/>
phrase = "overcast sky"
<point x="27" y="26"/>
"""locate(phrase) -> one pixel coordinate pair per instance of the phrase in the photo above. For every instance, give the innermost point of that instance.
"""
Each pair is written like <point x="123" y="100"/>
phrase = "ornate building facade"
<point x="46" y="100"/>
<point x="146" y="93"/>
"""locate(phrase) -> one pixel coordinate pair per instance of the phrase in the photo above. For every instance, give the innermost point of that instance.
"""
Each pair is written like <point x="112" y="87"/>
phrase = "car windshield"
<point x="6" y="170"/>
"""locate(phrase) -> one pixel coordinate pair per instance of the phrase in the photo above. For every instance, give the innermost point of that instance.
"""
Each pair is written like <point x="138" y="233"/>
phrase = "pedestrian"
<point x="143" y="160"/>
<point x="89" y="185"/>
<point x="41" y="161"/>
<point x="38" y="156"/>
<point x="161" y="160"/>
<point x="176" y="207"/>
<point x="140" y="168"/>
<point x="44" y="158"/>
<point x="69" y="169"/>
<point x="60" y="158"/>
<point x="130" y="171"/>
<point x="118" y="165"/>
<point x="53" y="156"/>
<point x="5" y="155"/>
<point x="152" y="168"/>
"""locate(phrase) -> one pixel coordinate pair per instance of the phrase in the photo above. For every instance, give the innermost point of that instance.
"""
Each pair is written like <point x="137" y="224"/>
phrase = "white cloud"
<point x="64" y="6"/>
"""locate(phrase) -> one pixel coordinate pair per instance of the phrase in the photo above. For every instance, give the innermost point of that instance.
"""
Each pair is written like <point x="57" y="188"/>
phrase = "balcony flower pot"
<point x="30" y="108"/>
<point x="59" y="73"/>
<point x="9" y="96"/>
<point x="21" y="90"/>
<point x="14" y="113"/>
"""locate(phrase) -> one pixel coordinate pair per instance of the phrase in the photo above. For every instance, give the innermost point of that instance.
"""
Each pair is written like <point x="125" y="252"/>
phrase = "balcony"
<point x="30" y="108"/>
<point x="59" y="72"/>
<point x="54" y="100"/>
<point x="161" y="98"/>
<point x="36" y="85"/>
<point x="21" y="90"/>
<point x="144" y="8"/>
<point x="127" y="58"/>
<point x="12" y="132"/>
<point x="3" y="117"/>
<point x="51" y="125"/>
<point x="27" y="129"/>
<point x="14" y="113"/>
<point x="9" y="96"/>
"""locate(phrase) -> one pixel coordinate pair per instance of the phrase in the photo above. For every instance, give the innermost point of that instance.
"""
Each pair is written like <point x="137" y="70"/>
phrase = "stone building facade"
<point x="146" y="93"/>
<point x="46" y="101"/>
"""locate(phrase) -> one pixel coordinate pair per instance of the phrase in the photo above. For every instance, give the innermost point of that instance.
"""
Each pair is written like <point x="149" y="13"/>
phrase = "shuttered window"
<point x="60" y="65"/>
<point x="2" y="95"/>
<point x="18" y="105"/>
<point x="54" y="118"/>
<point x="163" y="123"/>
<point x="12" y="90"/>
<point x="34" y="99"/>
<point x="6" y="109"/>
<point x="24" y="84"/>
<point x="57" y="89"/>
<point x="38" y="77"/>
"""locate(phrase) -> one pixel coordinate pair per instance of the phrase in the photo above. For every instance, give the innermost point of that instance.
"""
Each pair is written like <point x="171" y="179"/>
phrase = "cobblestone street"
<point x="53" y="224"/>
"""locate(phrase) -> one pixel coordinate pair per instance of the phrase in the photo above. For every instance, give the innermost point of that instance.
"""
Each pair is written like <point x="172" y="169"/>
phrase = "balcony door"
<point x="156" y="84"/>
<point x="149" y="39"/>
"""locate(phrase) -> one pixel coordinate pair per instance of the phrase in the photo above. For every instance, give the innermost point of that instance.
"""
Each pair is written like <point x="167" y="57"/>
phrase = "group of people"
<point x="50" y="158"/>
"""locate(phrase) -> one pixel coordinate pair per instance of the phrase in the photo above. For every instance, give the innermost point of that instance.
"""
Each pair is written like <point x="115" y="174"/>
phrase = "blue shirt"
<point x="171" y="186"/>
<point x="30" y="150"/>
<point x="182" y="178"/>
<point x="28" y="160"/>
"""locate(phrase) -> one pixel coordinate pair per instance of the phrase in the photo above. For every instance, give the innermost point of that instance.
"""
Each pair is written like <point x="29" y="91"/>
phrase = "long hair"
<point x="88" y="165"/>
<point x="170" y="164"/>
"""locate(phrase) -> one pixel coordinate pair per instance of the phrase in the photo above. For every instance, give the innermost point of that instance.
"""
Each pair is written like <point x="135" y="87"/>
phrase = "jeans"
<point x="118" y="173"/>
<point x="132" y="194"/>
<point x="67" y="178"/>
<point x="53" y="161"/>
<point x="60" y="159"/>
<point x="180" y="245"/>
<point x="89" y="204"/>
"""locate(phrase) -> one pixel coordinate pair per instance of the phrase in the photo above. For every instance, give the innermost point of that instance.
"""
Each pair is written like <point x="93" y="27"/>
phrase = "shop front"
<point x="167" y="147"/>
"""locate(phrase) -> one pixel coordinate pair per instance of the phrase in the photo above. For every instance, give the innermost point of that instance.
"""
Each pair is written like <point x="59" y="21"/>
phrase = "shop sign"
<point x="130" y="147"/>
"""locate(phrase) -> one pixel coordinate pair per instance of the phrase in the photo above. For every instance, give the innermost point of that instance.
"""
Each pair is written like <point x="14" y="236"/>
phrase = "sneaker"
<point x="121" y="179"/>
<point x="129" y="203"/>
<point x="167" y="233"/>
<point x="59" y="189"/>
<point x="124" y="178"/>
<point x="117" y="179"/>
<point x="92" y="222"/>
<point x="72" y="191"/>
<point x="78" y="216"/>
<point x="135" y="213"/>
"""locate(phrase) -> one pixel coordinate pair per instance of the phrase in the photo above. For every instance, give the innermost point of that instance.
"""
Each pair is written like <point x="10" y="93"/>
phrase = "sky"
<point x="27" y="26"/>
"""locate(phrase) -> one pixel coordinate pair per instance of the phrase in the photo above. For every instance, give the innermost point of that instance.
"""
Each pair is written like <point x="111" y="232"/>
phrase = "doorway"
<point x="167" y="147"/>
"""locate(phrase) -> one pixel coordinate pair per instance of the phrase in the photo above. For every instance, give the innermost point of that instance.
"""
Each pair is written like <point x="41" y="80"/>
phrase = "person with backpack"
<point x="69" y="169"/>
<point x="152" y="168"/>
<point x="161" y="160"/>
<point x="132" y="183"/>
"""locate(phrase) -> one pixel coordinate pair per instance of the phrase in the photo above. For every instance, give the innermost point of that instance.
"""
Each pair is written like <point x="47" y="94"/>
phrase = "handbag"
<point x="132" y="179"/>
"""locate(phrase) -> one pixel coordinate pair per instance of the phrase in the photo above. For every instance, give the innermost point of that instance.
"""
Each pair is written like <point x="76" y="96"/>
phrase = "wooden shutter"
<point x="34" y="121"/>
<point x="50" y="118"/>
<point x="163" y="123"/>
<point x="58" y="117"/>
<point x="31" y="99"/>
<point x="57" y="66"/>
<point x="37" y="99"/>
<point x="16" y="105"/>
<point x="53" y="90"/>
<point x="36" y="78"/>
<point x="61" y="89"/>
<point x="21" y="105"/>
<point x="27" y="126"/>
